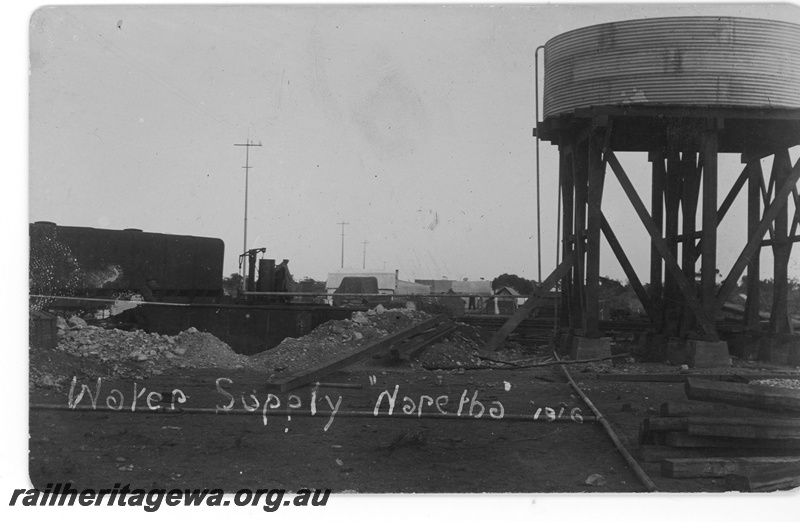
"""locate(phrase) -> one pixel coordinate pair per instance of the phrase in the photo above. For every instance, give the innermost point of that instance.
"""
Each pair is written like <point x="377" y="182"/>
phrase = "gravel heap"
<point x="792" y="384"/>
<point x="333" y="339"/>
<point x="203" y="350"/>
<point x="456" y="349"/>
<point x="150" y="352"/>
<point x="103" y="352"/>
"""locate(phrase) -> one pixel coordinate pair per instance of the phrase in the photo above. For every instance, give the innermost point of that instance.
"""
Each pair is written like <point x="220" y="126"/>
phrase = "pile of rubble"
<point x="335" y="338"/>
<point x="189" y="349"/>
<point x="92" y="351"/>
<point x="458" y="349"/>
<point x="113" y="353"/>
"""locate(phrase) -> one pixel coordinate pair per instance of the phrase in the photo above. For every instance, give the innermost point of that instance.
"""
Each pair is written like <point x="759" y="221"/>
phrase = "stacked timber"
<point x="761" y="397"/>
<point x="757" y="451"/>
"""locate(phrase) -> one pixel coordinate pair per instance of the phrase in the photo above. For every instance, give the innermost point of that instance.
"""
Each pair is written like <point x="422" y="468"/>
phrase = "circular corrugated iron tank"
<point x="686" y="62"/>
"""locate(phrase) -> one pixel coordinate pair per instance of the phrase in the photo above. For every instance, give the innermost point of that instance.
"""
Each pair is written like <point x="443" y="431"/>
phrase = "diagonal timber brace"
<point x="770" y="213"/>
<point x="630" y="273"/>
<point x="532" y="302"/>
<point x="686" y="288"/>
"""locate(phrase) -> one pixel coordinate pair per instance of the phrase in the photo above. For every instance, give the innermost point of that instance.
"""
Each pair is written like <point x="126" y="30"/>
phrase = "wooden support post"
<point x="754" y="243"/>
<point x="567" y="246"/>
<point x="659" y="175"/>
<point x="752" y="305"/>
<point x="596" y="177"/>
<point x="690" y="174"/>
<point x="708" y="267"/>
<point x="781" y="248"/>
<point x="672" y="201"/>
<point x="581" y="175"/>
<point x="670" y="263"/>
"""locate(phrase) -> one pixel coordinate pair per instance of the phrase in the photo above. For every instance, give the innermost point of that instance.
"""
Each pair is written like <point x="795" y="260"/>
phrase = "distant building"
<point x="409" y="288"/>
<point x="437" y="286"/>
<point x="389" y="283"/>
<point x="481" y="291"/>
<point x="507" y="300"/>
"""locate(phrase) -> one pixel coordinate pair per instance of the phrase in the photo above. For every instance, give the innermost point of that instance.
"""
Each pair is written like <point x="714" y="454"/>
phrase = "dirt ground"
<point x="400" y="453"/>
<point x="497" y="430"/>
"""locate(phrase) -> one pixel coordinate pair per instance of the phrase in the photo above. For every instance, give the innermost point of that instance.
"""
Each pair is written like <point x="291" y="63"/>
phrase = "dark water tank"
<point x="711" y="62"/>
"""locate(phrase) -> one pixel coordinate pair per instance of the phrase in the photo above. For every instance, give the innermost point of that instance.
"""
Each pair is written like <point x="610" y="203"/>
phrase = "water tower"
<point x="683" y="90"/>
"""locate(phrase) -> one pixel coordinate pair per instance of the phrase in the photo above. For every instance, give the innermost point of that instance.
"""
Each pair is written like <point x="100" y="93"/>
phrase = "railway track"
<point x="542" y="327"/>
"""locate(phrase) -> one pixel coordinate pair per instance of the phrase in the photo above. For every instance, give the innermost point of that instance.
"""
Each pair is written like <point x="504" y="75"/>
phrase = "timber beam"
<point x="671" y="265"/>
<point x="754" y="243"/>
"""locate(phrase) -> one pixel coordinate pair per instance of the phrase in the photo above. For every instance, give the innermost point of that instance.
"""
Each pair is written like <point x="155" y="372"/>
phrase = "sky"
<point x="411" y="124"/>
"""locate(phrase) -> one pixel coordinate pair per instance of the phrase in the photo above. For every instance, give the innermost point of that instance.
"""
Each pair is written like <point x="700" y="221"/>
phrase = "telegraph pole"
<point x="364" y="264"/>
<point x="343" y="224"/>
<point x="246" y="168"/>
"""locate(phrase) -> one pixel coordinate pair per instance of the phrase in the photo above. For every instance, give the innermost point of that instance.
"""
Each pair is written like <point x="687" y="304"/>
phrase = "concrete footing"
<point x="652" y="346"/>
<point x="779" y="350"/>
<point x="586" y="348"/>
<point x="698" y="354"/>
<point x="744" y="346"/>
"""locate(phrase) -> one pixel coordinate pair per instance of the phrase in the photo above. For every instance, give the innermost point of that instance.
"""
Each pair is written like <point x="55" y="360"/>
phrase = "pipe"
<point x="522" y="366"/>
<point x="100" y="300"/>
<point x="538" y="191"/>
<point x="648" y="483"/>
<point x="165" y="410"/>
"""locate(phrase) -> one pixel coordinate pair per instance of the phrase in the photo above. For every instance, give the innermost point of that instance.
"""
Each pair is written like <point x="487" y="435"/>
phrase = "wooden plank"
<point x="748" y="395"/>
<point x="669" y="259"/>
<point x="648" y="377"/>
<point x="766" y="422"/>
<point x="531" y="303"/>
<point x="670" y="409"/>
<point x="719" y="467"/>
<point x="666" y="424"/>
<point x="684" y="439"/>
<point x="742" y="431"/>
<point x="306" y="376"/>
<point x="679" y="377"/>
<point x="754" y="243"/>
<point x="654" y="453"/>
<point x="739" y="427"/>
<point x="414" y="346"/>
<point x="775" y="480"/>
